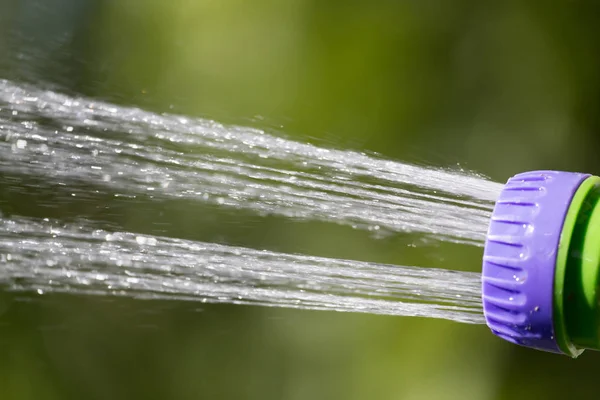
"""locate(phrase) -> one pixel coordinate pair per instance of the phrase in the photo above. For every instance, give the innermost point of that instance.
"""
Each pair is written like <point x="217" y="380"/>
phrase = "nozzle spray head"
<point x="541" y="264"/>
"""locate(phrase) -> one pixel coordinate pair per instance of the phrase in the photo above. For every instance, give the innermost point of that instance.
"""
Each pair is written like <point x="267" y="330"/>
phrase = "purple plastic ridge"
<point x="520" y="256"/>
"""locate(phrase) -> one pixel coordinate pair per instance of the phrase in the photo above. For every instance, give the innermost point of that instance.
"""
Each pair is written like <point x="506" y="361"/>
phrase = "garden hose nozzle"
<point x="541" y="264"/>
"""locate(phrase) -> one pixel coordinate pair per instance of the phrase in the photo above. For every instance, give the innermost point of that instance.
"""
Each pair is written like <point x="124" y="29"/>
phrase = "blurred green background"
<point x="497" y="87"/>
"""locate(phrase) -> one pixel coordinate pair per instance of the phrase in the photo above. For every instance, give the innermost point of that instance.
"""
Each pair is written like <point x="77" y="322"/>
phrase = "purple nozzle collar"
<point x="520" y="257"/>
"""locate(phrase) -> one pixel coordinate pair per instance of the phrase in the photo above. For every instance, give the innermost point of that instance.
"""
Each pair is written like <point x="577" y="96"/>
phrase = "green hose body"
<point x="577" y="273"/>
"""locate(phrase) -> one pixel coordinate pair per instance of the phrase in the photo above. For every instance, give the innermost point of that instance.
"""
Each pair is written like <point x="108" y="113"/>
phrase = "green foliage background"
<point x="497" y="87"/>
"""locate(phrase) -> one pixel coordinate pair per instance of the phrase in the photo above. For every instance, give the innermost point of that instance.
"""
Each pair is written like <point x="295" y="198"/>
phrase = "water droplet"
<point x="21" y="144"/>
<point x="40" y="291"/>
<point x="69" y="129"/>
<point x="142" y="240"/>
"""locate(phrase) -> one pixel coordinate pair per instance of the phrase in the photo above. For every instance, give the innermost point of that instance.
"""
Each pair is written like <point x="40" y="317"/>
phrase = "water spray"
<point x="541" y="264"/>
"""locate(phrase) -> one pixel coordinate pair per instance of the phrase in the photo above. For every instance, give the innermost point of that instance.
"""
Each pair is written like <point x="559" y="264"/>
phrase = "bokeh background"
<point x="495" y="87"/>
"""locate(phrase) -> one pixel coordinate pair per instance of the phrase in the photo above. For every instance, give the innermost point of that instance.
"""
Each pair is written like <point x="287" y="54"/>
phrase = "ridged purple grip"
<point x="520" y="256"/>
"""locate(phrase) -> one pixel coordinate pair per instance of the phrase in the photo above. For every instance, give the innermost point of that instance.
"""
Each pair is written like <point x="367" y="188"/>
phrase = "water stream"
<point x="66" y="258"/>
<point x="74" y="142"/>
